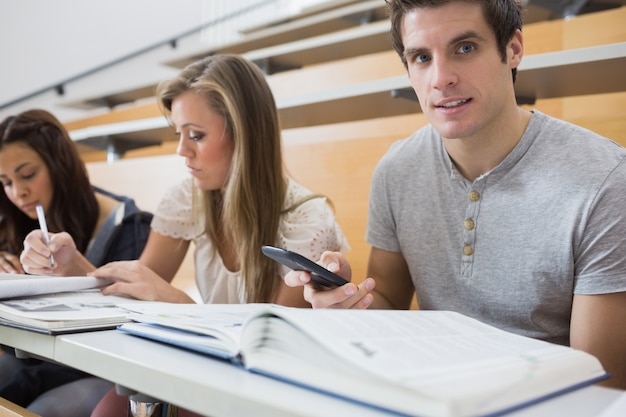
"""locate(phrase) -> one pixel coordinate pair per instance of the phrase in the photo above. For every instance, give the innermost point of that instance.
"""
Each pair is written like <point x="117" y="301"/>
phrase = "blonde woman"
<point x="237" y="199"/>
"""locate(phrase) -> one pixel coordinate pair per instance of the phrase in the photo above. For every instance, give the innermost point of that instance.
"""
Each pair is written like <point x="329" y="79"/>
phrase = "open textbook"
<point x="414" y="363"/>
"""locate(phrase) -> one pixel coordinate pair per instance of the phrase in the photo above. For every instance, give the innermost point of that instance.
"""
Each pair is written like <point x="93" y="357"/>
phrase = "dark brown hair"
<point x="73" y="207"/>
<point x="504" y="17"/>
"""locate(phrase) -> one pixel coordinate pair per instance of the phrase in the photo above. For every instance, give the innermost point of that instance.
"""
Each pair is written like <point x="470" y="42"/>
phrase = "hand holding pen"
<point x="44" y="229"/>
<point x="38" y="259"/>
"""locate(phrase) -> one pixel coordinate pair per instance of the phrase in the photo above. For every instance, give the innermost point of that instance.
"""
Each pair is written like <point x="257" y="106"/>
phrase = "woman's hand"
<point x="67" y="259"/>
<point x="134" y="279"/>
<point x="10" y="263"/>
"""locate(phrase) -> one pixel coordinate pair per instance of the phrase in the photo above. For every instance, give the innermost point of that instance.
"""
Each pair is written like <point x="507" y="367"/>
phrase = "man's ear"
<point x="515" y="49"/>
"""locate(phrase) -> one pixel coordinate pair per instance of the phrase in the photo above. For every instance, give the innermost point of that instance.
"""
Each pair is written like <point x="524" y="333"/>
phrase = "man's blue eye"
<point x="422" y="58"/>
<point x="464" y="49"/>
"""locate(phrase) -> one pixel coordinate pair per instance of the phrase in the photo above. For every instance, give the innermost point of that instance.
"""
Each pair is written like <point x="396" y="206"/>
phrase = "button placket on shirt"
<point x="469" y="228"/>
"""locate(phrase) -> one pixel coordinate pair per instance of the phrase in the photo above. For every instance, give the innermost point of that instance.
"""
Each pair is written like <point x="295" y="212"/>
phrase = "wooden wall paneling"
<point x="581" y="31"/>
<point x="166" y="148"/>
<point x="552" y="107"/>
<point x="595" y="29"/>
<point x="131" y="113"/>
<point x="342" y="171"/>
<point x="144" y="179"/>
<point x="540" y="37"/>
<point x="335" y="74"/>
<point x="89" y="154"/>
<point x="543" y="37"/>
<point x="124" y="114"/>
<point x="602" y="113"/>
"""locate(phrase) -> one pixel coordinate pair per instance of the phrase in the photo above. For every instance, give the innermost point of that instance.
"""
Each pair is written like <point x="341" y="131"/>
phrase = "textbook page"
<point x="213" y="329"/>
<point x="20" y="285"/>
<point x="434" y="363"/>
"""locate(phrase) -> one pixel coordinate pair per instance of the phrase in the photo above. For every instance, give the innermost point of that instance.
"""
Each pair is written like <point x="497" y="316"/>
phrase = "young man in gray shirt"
<point x="509" y="216"/>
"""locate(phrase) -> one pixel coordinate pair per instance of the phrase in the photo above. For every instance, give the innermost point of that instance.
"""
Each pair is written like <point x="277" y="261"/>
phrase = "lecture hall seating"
<point x="336" y="155"/>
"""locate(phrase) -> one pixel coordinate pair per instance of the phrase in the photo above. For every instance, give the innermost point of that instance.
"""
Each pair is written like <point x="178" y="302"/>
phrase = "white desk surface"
<point x="217" y="388"/>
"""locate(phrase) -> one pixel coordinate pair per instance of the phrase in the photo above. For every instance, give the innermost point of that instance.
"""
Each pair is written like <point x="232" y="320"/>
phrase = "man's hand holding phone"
<point x="336" y="292"/>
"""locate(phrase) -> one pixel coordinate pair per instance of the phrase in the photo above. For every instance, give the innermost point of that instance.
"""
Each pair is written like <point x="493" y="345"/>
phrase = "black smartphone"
<point x="295" y="261"/>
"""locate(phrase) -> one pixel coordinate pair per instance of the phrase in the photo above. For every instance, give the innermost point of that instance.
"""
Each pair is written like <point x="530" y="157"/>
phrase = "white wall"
<point x="44" y="42"/>
<point x="49" y="40"/>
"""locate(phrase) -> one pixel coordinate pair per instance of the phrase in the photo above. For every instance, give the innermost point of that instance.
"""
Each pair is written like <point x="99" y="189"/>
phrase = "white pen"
<point x="44" y="228"/>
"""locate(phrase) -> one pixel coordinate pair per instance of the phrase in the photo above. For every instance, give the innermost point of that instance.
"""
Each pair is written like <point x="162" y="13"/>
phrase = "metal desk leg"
<point x="140" y="405"/>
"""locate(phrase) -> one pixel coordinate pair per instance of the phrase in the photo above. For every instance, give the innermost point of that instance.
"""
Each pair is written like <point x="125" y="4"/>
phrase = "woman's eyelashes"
<point x="196" y="136"/>
<point x="186" y="133"/>
<point x="24" y="177"/>
<point x="29" y="176"/>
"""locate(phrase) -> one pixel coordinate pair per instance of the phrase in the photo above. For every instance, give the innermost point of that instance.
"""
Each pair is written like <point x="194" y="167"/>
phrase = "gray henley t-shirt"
<point x="512" y="247"/>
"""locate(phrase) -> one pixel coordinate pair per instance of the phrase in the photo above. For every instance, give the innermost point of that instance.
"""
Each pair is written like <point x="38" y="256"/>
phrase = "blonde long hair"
<point x="250" y="205"/>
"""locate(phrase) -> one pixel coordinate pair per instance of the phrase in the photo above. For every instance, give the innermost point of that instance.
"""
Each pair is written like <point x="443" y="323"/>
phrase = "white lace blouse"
<point x="310" y="229"/>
